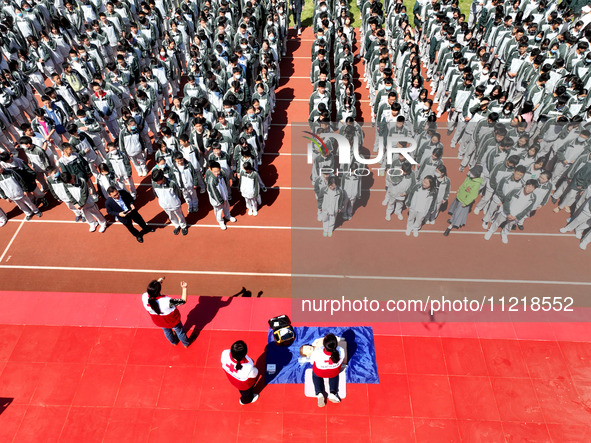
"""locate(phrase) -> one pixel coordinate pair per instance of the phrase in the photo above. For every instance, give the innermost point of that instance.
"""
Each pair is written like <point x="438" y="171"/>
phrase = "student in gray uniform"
<point x="320" y="185"/>
<point x="579" y="222"/>
<point x="351" y="184"/>
<point x="516" y="205"/>
<point x="578" y="178"/>
<point x="542" y="193"/>
<point x="218" y="194"/>
<point x="499" y="172"/>
<point x="330" y="203"/>
<point x="121" y="166"/>
<point x="166" y="192"/>
<point x="186" y="178"/>
<point x="38" y="159"/>
<point x="131" y="143"/>
<point x="78" y="194"/>
<point x="501" y="189"/>
<point x="12" y="188"/>
<point x="397" y="190"/>
<point x="443" y="185"/>
<point x="57" y="186"/>
<point x="420" y="202"/>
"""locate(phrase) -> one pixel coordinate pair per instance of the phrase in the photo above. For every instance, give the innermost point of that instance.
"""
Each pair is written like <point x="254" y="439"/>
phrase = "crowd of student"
<point x="192" y="84"/>
<point x="91" y="88"/>
<point x="513" y="80"/>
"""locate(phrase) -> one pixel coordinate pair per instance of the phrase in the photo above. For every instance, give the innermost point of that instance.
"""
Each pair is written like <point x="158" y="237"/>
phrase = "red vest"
<point x="167" y="321"/>
<point x="241" y="385"/>
<point x="326" y="373"/>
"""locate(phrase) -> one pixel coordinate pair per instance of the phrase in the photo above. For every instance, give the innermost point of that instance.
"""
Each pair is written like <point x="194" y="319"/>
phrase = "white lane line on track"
<point x="309" y="228"/>
<point x="12" y="239"/>
<point x="283" y="275"/>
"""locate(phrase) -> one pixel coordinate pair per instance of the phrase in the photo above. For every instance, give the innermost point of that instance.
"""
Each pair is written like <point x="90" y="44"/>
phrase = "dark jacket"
<point x="114" y="209"/>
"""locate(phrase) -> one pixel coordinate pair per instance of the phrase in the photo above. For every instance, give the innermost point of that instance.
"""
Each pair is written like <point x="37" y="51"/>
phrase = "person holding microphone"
<point x="164" y="312"/>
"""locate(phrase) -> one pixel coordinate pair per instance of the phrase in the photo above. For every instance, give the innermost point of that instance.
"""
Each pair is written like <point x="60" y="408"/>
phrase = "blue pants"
<point x="333" y="384"/>
<point x="176" y="334"/>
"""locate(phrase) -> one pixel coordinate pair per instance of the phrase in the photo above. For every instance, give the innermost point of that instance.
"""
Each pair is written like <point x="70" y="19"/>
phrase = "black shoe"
<point x="38" y="214"/>
<point x="140" y="239"/>
<point x="185" y="231"/>
<point x="28" y="217"/>
<point x="447" y="231"/>
<point x="513" y="228"/>
<point x="520" y="227"/>
<point x="449" y="221"/>
<point x="78" y="218"/>
<point x="44" y="202"/>
<point x="554" y="200"/>
<point x="176" y="231"/>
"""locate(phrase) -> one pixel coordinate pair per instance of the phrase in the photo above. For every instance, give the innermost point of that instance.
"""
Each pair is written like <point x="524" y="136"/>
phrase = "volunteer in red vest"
<point x="241" y="371"/>
<point x="164" y="313"/>
<point x="326" y="363"/>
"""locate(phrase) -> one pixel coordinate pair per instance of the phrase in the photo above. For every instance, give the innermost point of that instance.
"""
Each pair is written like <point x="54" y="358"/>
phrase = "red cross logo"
<point x="231" y="368"/>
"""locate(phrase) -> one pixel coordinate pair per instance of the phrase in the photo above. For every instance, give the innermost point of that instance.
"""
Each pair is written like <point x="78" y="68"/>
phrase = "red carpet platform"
<point x="90" y="367"/>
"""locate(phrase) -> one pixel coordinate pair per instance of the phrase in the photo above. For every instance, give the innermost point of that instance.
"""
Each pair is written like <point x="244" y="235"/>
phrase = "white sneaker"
<point x="415" y="233"/>
<point x="504" y="238"/>
<point x="579" y="235"/>
<point x="93" y="227"/>
<point x="400" y="217"/>
<point x="255" y="397"/>
<point x="583" y="246"/>
<point x="103" y="228"/>
<point x="223" y="226"/>
<point x="431" y="222"/>
<point x="385" y="202"/>
<point x="488" y="235"/>
<point x="476" y="211"/>
<point x="408" y="232"/>
<point x="563" y="230"/>
<point x="388" y="217"/>
<point x="484" y="225"/>
<point x="334" y="398"/>
<point x="250" y="212"/>
<point x="255" y="213"/>
<point x="321" y="400"/>
<point x="232" y="220"/>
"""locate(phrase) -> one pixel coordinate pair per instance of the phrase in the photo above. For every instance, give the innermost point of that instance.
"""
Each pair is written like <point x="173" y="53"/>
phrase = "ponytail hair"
<point x="331" y="344"/>
<point x="153" y="291"/>
<point x="238" y="352"/>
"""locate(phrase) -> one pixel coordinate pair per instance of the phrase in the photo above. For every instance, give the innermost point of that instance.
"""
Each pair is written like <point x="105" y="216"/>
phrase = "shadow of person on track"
<point x="207" y="308"/>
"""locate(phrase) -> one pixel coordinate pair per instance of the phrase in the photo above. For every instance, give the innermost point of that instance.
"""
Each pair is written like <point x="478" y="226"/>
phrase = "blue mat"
<point x="362" y="367"/>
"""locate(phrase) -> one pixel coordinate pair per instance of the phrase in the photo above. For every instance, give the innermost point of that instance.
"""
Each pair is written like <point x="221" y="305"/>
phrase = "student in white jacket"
<point x="420" y="202"/>
<point x="250" y="187"/>
<point x="330" y="202"/>
<point x="131" y="143"/>
<point x="166" y="192"/>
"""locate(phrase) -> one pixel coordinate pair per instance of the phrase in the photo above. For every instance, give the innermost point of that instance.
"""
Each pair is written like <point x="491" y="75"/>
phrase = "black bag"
<point x="283" y="332"/>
